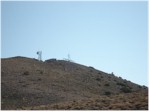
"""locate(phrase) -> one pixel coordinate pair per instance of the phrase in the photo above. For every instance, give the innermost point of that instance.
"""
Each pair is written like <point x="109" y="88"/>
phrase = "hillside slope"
<point x="27" y="83"/>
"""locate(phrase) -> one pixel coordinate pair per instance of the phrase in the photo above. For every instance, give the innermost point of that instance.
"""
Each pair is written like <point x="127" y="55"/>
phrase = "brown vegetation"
<point x="130" y="101"/>
<point x="57" y="84"/>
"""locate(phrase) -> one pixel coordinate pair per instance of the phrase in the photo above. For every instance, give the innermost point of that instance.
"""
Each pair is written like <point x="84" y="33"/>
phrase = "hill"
<point x="58" y="84"/>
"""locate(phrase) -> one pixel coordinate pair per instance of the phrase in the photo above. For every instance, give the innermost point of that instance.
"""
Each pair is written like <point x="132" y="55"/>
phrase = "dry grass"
<point x="57" y="84"/>
<point x="128" y="101"/>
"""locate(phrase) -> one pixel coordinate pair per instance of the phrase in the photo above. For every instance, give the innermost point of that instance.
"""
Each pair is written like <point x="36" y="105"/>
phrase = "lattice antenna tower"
<point x="39" y="53"/>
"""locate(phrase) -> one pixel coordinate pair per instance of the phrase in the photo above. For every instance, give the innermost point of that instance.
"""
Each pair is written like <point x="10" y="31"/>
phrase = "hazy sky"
<point x="110" y="36"/>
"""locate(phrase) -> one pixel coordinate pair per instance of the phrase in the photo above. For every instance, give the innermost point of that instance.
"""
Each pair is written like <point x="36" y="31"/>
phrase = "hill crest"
<point x="57" y="81"/>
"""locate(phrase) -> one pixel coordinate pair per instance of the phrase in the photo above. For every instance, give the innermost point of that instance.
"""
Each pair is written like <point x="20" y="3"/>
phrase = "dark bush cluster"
<point x="99" y="72"/>
<point x="121" y="84"/>
<point x="139" y="86"/>
<point x="107" y="93"/>
<point x="120" y="77"/>
<point x="39" y="79"/>
<point x="144" y="87"/>
<point x="126" y="90"/>
<point x="91" y="67"/>
<point x="107" y="84"/>
<point x="91" y="70"/>
<point x="40" y="71"/>
<point x="26" y="73"/>
<point x="98" y="79"/>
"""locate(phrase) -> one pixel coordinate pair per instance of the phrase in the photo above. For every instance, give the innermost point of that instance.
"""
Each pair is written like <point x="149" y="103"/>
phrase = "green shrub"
<point x="41" y="72"/>
<point x="91" y="67"/>
<point x="121" y="84"/>
<point x="144" y="87"/>
<point x="115" y="80"/>
<point x="107" y="84"/>
<point x="120" y="77"/>
<point x="109" y="77"/>
<point x="39" y="79"/>
<point x="26" y="73"/>
<point x="98" y="79"/>
<point x="99" y="72"/>
<point x="126" y="90"/>
<point x="107" y="93"/>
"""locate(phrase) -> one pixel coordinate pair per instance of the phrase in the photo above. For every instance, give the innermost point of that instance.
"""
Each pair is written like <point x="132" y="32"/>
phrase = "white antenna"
<point x="39" y="53"/>
<point x="69" y="59"/>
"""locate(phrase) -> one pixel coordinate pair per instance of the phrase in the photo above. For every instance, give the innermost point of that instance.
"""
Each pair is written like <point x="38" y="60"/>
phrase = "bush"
<point x="91" y="67"/>
<point x="41" y="72"/>
<point x="98" y="79"/>
<point x="106" y="85"/>
<point x="107" y="93"/>
<point x="26" y="73"/>
<point x="120" y="77"/>
<point x="121" y="84"/>
<point x="115" y="80"/>
<point x="39" y="79"/>
<point x="144" y="87"/>
<point x="109" y="77"/>
<point x="126" y="90"/>
<point x="99" y="72"/>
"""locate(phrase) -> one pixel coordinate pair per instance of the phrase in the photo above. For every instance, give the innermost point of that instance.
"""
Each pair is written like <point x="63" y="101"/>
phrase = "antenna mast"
<point x="39" y="53"/>
<point x="69" y="59"/>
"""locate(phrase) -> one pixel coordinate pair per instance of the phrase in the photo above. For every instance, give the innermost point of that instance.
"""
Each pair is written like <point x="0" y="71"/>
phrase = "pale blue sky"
<point x="110" y="36"/>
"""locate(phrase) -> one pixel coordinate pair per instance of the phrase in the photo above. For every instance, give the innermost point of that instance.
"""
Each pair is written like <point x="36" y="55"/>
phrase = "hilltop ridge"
<point x="28" y="83"/>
